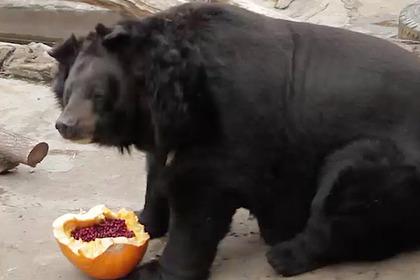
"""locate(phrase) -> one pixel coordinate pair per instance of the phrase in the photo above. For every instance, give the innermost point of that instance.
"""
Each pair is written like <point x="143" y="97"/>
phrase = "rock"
<point x="283" y="4"/>
<point x="328" y="12"/>
<point x="5" y="51"/>
<point x="30" y="62"/>
<point x="133" y="7"/>
<point x="409" y="24"/>
<point x="147" y="7"/>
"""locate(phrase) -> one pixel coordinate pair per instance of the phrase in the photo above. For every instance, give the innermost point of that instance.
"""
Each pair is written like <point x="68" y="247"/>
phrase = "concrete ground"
<point x="80" y="176"/>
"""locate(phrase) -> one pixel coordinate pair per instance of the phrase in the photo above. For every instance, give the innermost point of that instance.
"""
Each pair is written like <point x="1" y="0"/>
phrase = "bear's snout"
<point x="74" y="129"/>
<point x="65" y="126"/>
<point x="68" y="127"/>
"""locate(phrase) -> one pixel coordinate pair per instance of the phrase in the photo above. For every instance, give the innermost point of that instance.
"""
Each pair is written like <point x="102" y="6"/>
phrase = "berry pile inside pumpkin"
<point x="106" y="228"/>
<point x="103" y="244"/>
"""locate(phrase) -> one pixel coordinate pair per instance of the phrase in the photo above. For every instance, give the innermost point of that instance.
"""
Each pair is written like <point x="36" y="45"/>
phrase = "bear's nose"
<point x="65" y="127"/>
<point x="60" y="126"/>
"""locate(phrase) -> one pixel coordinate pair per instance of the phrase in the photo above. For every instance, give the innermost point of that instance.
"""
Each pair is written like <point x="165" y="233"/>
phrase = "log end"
<point x="37" y="154"/>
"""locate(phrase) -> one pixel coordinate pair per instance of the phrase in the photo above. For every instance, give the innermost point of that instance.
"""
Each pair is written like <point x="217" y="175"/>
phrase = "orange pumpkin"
<point x="101" y="258"/>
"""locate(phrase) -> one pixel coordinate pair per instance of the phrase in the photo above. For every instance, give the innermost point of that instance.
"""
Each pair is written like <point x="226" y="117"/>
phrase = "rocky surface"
<point x="29" y="62"/>
<point x="6" y="50"/>
<point x="409" y="24"/>
<point x="369" y="16"/>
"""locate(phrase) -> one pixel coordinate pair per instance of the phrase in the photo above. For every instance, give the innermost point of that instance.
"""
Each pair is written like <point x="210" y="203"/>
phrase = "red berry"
<point x="106" y="228"/>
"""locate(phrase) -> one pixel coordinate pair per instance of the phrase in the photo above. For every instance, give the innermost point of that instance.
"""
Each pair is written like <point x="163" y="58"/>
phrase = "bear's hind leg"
<point x="366" y="207"/>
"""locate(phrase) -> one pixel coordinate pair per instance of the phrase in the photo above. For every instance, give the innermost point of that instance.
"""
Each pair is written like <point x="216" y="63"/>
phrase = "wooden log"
<point x="15" y="149"/>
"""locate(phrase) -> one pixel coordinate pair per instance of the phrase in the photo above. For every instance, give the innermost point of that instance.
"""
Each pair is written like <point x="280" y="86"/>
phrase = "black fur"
<point x="314" y="129"/>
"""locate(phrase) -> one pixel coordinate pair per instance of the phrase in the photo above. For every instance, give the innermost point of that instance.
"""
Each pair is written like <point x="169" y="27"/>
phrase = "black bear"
<point x="315" y="130"/>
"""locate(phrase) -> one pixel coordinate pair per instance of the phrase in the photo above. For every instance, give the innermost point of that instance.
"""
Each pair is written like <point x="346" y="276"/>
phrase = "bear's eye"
<point x="98" y="96"/>
<point x="101" y="101"/>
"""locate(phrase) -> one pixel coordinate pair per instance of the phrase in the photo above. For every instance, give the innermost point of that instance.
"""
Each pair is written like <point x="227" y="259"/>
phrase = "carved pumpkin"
<point x="103" y="244"/>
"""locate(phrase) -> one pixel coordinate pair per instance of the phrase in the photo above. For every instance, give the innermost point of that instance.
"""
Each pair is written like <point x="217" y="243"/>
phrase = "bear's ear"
<point x="67" y="51"/>
<point x="102" y="30"/>
<point x="116" y="36"/>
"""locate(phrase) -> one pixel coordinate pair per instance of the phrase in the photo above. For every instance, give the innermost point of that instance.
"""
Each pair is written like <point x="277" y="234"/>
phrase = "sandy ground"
<point x="79" y="176"/>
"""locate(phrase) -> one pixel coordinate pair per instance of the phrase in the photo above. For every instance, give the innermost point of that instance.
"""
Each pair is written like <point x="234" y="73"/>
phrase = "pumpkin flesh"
<point x="101" y="258"/>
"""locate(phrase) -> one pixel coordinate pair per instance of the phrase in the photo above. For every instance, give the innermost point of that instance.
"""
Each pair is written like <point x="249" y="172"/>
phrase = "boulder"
<point x="30" y="62"/>
<point x="409" y="22"/>
<point x="5" y="51"/>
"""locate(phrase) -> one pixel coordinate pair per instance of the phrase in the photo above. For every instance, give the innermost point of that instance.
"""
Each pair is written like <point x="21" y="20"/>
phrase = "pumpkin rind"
<point x="108" y="267"/>
<point x="104" y="258"/>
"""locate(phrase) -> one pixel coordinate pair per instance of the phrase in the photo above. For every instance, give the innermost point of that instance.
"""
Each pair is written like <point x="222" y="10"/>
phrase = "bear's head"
<point x="132" y="84"/>
<point x="101" y="100"/>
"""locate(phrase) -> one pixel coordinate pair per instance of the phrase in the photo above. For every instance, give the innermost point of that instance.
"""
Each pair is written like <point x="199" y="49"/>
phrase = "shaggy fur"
<point x="314" y="129"/>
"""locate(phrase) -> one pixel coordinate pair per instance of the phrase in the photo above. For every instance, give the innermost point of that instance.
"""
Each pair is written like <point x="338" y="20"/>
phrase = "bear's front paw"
<point x="156" y="227"/>
<point x="148" y="271"/>
<point x="288" y="259"/>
